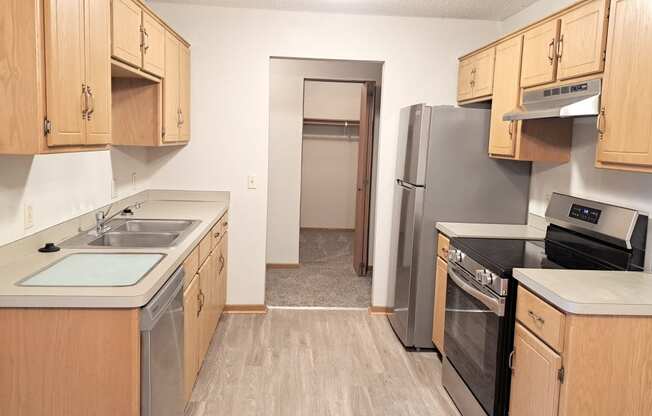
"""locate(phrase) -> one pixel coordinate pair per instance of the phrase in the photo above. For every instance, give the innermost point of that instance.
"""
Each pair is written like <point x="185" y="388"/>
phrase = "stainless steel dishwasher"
<point x="161" y="346"/>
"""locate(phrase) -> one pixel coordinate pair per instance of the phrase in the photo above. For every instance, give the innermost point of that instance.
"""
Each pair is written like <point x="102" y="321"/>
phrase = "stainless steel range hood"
<point x="572" y="100"/>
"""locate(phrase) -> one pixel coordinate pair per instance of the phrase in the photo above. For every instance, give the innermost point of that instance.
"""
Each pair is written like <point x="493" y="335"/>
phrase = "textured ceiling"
<point x="462" y="9"/>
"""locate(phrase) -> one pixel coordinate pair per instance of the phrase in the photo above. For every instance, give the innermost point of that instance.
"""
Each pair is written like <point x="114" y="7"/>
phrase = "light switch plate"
<point x="251" y="182"/>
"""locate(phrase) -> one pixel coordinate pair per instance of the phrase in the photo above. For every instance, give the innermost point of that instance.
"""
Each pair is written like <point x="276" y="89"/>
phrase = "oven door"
<point x="473" y="327"/>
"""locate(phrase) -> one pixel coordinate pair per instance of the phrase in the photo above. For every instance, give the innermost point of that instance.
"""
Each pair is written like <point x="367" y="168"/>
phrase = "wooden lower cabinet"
<point x="69" y="362"/>
<point x="439" y="314"/>
<point x="204" y="300"/>
<point x="191" y="311"/>
<point x="602" y="368"/>
<point x="535" y="382"/>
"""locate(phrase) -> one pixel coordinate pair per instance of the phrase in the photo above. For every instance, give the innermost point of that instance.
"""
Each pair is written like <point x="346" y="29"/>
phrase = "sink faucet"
<point x="101" y="217"/>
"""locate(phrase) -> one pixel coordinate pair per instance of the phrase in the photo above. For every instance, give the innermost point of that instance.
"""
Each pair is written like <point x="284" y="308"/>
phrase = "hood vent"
<point x="572" y="100"/>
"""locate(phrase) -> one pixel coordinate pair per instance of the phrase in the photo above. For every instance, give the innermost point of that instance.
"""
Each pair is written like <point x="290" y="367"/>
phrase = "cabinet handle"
<point x="511" y="130"/>
<point x="179" y="117"/>
<point x="560" y="48"/>
<point x="537" y="319"/>
<point x="84" y="109"/>
<point x="551" y="51"/>
<point x="222" y="262"/>
<point x="200" y="300"/>
<point x="216" y="235"/>
<point x="601" y="123"/>
<point x="91" y="110"/>
<point x="144" y="44"/>
<point x="510" y="361"/>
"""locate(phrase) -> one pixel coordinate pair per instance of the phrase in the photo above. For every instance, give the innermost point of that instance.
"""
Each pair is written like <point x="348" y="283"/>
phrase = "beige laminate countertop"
<point x="473" y="230"/>
<point x="12" y="295"/>
<point x="589" y="292"/>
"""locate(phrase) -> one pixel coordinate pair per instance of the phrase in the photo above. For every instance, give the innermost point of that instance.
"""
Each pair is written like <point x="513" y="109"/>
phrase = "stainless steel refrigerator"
<point x="445" y="174"/>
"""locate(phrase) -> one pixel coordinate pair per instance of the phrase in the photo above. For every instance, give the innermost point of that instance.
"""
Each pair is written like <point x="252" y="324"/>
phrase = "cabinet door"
<point x="98" y="70"/>
<point x="626" y="122"/>
<point x="223" y="267"/>
<point x="153" y="45"/>
<point x="171" y="89"/>
<point x="483" y="81"/>
<point x="503" y="134"/>
<point x="206" y="278"/>
<point x="465" y="79"/>
<point x="440" y="304"/>
<point x="126" y="22"/>
<point x="539" y="63"/>
<point x="64" y="60"/>
<point x="184" y="93"/>
<point x="582" y="41"/>
<point x="191" y="313"/>
<point x="535" y="382"/>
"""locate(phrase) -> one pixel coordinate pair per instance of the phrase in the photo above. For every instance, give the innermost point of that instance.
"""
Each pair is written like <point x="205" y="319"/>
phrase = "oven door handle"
<point x="495" y="305"/>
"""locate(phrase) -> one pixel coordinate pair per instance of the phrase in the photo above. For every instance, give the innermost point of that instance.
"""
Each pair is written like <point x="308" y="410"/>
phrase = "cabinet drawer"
<point x="219" y="230"/>
<point x="542" y="319"/>
<point x="190" y="266"/>
<point x="443" y="244"/>
<point x="205" y="248"/>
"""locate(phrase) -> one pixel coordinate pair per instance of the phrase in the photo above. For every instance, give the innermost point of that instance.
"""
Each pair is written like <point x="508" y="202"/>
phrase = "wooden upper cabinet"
<point x="483" y="81"/>
<point x="65" y="76"/>
<point x="539" y="64"/>
<point x="535" y="384"/>
<point x="506" y="97"/>
<point x="98" y="71"/>
<point x="127" y="37"/>
<point x="171" y="116"/>
<point x="625" y="125"/>
<point x="582" y="42"/>
<point x="465" y="80"/>
<point x="184" y="93"/>
<point x="476" y="76"/>
<point x="153" y="45"/>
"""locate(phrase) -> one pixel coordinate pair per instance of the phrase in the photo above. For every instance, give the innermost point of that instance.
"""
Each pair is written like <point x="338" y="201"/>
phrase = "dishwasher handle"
<point x="154" y="310"/>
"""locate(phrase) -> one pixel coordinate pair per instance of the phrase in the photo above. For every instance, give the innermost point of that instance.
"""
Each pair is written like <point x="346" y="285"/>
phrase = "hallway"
<point x="325" y="276"/>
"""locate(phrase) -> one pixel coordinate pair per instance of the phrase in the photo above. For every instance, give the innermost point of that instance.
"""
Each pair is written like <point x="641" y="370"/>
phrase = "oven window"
<point x="471" y="339"/>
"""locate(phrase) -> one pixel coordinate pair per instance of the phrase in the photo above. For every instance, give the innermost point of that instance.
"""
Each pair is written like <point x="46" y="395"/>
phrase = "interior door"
<point x="539" y="62"/>
<point x="98" y="70"/>
<point x="64" y="59"/>
<point x="503" y="134"/>
<point x="363" y="190"/>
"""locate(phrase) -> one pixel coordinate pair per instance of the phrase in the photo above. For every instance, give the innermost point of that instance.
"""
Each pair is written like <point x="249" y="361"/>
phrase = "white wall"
<point x="534" y="12"/>
<point x="334" y="100"/>
<point x="286" y="102"/>
<point x="329" y="164"/>
<point x="63" y="186"/>
<point x="580" y="176"/>
<point x="230" y="72"/>
<point x="328" y="183"/>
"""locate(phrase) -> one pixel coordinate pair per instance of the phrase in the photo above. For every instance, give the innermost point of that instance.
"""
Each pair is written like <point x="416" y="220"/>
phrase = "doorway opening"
<point x="333" y="216"/>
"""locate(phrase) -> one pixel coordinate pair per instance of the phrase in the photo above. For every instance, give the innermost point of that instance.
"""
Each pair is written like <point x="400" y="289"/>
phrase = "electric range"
<point x="481" y="291"/>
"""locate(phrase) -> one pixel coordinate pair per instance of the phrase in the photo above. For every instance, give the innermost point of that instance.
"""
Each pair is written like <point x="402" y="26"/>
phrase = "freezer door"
<point x="407" y="262"/>
<point x="414" y="135"/>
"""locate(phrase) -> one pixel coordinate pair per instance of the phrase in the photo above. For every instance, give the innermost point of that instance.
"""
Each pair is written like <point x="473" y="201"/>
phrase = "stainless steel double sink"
<point x="135" y="233"/>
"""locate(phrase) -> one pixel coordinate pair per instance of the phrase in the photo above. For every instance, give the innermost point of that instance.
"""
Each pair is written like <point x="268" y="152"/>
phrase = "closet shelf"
<point x="330" y="122"/>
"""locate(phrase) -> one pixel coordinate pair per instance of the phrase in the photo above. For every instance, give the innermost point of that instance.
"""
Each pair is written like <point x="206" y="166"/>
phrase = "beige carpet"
<point x="325" y="276"/>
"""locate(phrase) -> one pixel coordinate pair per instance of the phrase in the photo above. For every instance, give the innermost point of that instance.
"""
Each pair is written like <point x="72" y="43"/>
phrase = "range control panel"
<point x="583" y="213"/>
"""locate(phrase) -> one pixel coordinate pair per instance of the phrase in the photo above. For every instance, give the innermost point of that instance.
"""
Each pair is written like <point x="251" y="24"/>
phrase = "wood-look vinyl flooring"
<point x="315" y="362"/>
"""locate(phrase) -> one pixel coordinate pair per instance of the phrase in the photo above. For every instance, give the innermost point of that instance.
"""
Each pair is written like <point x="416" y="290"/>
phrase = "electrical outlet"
<point x="29" y="216"/>
<point x="251" y="182"/>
